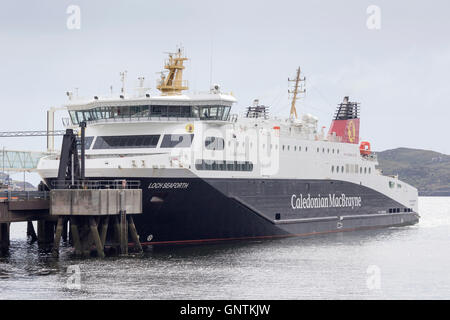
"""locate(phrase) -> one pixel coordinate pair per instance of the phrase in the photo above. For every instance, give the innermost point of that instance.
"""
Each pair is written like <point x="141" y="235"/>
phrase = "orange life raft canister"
<point x="364" y="148"/>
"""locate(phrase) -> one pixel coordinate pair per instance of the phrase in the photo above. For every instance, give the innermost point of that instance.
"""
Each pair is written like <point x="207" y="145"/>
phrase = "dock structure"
<point x="94" y="213"/>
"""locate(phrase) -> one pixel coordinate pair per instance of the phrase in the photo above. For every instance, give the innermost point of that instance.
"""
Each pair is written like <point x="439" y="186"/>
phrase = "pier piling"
<point x="123" y="233"/>
<point x="134" y="235"/>
<point x="4" y="238"/>
<point x="31" y="233"/>
<point x="46" y="232"/>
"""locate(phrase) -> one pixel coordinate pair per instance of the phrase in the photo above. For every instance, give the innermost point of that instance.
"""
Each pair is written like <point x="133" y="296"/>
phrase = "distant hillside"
<point x="5" y="180"/>
<point x="428" y="171"/>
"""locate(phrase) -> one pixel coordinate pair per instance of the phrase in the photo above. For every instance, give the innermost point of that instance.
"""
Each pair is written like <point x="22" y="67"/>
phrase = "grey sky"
<point x="400" y="73"/>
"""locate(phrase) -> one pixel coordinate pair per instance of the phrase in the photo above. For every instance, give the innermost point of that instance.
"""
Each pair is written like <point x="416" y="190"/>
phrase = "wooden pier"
<point x="91" y="214"/>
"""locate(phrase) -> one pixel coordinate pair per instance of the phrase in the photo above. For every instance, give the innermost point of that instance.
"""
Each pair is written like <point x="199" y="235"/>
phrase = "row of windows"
<point x="198" y="112"/>
<point x="219" y="165"/>
<point x="397" y="210"/>
<point x="210" y="140"/>
<point x="125" y="142"/>
<point x="140" y="141"/>
<point x="351" y="168"/>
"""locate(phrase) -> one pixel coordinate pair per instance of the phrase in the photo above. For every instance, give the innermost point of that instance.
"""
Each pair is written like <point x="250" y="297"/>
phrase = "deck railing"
<point x="9" y="195"/>
<point x="97" y="184"/>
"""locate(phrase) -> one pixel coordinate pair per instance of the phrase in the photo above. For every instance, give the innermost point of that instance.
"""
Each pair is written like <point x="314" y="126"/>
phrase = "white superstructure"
<point x="197" y="135"/>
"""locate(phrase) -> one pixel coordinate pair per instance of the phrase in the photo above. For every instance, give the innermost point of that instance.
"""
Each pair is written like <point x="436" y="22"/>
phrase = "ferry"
<point x="209" y="175"/>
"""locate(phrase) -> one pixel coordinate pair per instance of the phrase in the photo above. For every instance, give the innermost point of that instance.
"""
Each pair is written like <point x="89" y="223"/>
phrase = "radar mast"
<point x="296" y="91"/>
<point x="172" y="83"/>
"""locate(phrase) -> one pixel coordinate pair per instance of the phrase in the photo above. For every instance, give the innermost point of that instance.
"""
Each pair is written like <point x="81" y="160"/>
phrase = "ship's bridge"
<point x="208" y="106"/>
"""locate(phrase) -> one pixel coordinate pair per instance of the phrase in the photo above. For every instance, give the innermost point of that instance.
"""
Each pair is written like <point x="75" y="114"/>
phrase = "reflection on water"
<point x="409" y="262"/>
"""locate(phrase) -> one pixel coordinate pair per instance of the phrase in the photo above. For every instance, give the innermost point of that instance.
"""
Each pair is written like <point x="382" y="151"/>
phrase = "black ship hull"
<point x="196" y="210"/>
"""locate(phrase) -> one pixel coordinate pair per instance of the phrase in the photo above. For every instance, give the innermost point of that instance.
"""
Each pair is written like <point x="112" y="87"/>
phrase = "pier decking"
<point x="93" y="209"/>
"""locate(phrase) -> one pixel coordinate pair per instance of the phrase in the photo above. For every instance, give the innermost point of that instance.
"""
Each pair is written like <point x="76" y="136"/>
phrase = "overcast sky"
<point x="400" y="73"/>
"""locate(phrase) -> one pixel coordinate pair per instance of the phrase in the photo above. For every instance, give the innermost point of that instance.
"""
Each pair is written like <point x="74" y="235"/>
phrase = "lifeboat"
<point x="364" y="148"/>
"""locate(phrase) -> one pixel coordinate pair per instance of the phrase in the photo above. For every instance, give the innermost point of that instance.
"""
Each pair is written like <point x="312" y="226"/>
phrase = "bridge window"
<point x="177" y="140"/>
<point x="213" y="112"/>
<point x="126" y="142"/>
<point x="147" y="111"/>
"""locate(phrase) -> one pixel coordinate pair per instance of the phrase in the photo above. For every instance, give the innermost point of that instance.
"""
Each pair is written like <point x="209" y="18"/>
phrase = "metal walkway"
<point x="20" y="161"/>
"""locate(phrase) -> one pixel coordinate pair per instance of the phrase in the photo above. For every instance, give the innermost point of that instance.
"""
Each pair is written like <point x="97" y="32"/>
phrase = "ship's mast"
<point x="172" y="83"/>
<point x="299" y="88"/>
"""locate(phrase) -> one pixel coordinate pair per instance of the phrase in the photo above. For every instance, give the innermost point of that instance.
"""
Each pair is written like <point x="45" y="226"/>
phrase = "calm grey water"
<point x="396" y="263"/>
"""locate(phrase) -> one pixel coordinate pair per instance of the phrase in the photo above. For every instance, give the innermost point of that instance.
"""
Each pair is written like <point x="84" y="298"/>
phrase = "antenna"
<point x="122" y="79"/>
<point x="141" y="81"/>
<point x="211" y="64"/>
<point x="299" y="88"/>
<point x="141" y="89"/>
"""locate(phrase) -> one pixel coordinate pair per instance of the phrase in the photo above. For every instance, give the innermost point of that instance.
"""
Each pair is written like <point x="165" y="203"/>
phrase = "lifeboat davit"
<point x="364" y="148"/>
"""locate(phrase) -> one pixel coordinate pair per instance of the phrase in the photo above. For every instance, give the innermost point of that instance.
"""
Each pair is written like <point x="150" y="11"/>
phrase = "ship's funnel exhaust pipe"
<point x="345" y="125"/>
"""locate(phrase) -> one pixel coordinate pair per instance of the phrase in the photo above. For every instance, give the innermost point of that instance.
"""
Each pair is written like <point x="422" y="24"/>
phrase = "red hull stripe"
<point x="256" y="237"/>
